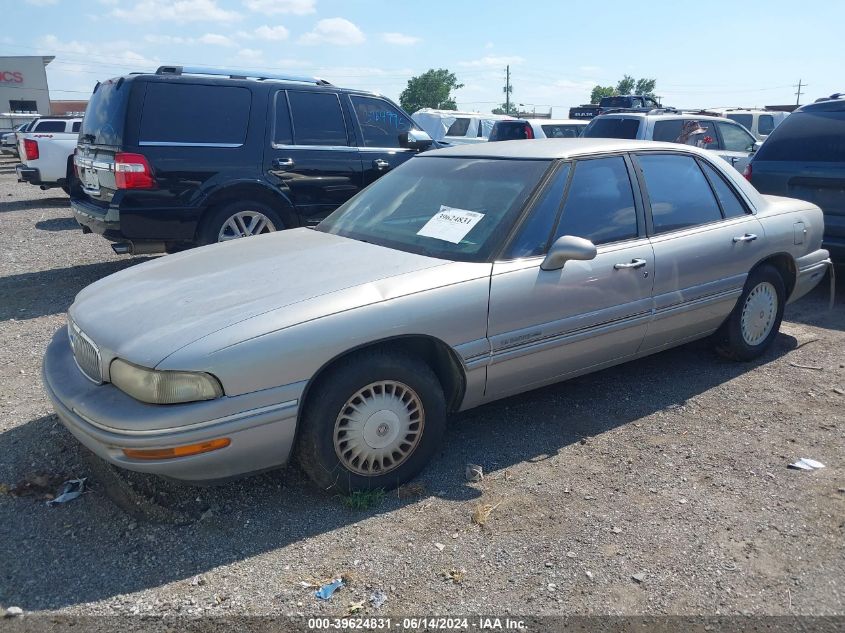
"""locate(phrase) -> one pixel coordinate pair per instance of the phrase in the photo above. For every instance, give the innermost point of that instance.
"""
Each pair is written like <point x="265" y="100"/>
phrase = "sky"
<point x="702" y="54"/>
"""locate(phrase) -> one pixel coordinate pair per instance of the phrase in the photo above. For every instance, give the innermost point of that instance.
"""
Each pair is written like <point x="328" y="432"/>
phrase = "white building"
<point x="23" y="84"/>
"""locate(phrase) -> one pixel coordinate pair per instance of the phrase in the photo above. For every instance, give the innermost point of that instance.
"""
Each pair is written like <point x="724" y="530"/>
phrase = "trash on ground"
<point x="638" y="577"/>
<point x="455" y="575"/>
<point x="378" y="598"/>
<point x="355" y="607"/>
<point x="814" y="367"/>
<point x="41" y="485"/>
<point x="197" y="581"/>
<point x="69" y="491"/>
<point x="13" y="612"/>
<point x="326" y="591"/>
<point x="806" y="463"/>
<point x="474" y="472"/>
<point x="440" y="547"/>
<point x="482" y="512"/>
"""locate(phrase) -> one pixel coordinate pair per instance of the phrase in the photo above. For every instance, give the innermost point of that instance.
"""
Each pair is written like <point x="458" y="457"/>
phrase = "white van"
<point x="455" y="127"/>
<point x="759" y="122"/>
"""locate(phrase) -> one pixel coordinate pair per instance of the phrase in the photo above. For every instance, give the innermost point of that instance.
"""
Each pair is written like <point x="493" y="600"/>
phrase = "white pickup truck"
<point x="47" y="152"/>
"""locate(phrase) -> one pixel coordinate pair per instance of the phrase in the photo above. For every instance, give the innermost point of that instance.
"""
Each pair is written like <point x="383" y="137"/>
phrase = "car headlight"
<point x="163" y="387"/>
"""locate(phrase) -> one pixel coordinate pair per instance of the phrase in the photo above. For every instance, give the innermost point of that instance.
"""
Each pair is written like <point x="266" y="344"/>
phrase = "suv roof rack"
<point x="663" y="110"/>
<point x="237" y="74"/>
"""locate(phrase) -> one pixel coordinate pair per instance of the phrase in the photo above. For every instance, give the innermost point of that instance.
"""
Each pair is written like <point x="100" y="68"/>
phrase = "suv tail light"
<point x="529" y="133"/>
<point x="132" y="171"/>
<point x="73" y="162"/>
<point x="747" y="172"/>
<point x="30" y="148"/>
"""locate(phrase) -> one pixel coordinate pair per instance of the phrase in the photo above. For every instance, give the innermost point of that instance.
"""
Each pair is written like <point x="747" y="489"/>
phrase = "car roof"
<point x="549" y="149"/>
<point x="830" y="105"/>
<point x="546" y="121"/>
<point x="662" y="115"/>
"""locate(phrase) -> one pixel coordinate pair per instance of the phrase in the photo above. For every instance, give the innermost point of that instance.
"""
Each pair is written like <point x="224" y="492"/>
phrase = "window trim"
<point x="359" y="128"/>
<point x="647" y="197"/>
<point x="730" y="187"/>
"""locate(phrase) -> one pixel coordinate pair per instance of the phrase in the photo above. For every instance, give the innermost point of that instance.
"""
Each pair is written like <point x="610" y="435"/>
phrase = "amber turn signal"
<point x="177" y="451"/>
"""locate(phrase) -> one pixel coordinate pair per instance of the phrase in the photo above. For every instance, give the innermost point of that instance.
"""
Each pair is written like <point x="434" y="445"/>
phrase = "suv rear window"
<point x="619" y="102"/>
<point x="612" y="127"/>
<point x="508" y="131"/>
<point x="105" y="114"/>
<point x="194" y="114"/>
<point x="458" y="128"/>
<point x="50" y="126"/>
<point x="807" y="137"/>
<point x="562" y="131"/>
<point x="746" y="120"/>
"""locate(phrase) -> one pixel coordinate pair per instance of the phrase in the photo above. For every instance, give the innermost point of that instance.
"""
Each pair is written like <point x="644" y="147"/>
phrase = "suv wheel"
<point x="243" y="218"/>
<point x="373" y="421"/>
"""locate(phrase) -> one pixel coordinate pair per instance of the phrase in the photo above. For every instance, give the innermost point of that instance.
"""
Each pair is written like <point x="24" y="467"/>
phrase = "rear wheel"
<point x="373" y="421"/>
<point x="755" y="321"/>
<point x="243" y="218"/>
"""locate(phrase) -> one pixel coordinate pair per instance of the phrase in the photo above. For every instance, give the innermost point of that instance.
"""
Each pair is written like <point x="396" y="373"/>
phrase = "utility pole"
<point x="798" y="99"/>
<point x="507" y="89"/>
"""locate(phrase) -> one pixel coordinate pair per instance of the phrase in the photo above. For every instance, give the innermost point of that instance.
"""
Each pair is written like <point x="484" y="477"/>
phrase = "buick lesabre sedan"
<point x="465" y="275"/>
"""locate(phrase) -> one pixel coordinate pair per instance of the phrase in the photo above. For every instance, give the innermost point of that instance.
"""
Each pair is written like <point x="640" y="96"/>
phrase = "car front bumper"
<point x="261" y="435"/>
<point x="28" y="174"/>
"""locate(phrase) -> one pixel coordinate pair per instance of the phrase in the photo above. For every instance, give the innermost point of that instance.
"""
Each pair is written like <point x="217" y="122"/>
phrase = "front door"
<point x="546" y="325"/>
<point x="312" y="158"/>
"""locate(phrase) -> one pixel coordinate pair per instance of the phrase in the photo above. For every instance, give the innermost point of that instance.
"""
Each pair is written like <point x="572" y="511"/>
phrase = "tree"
<point x="432" y="89"/>
<point x="626" y="85"/>
<point x="601" y="91"/>
<point x="646" y="87"/>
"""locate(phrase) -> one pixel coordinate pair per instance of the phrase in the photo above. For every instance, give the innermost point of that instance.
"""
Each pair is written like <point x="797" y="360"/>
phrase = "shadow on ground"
<point x="37" y="203"/>
<point x="93" y="553"/>
<point x="58" y="224"/>
<point x="32" y="295"/>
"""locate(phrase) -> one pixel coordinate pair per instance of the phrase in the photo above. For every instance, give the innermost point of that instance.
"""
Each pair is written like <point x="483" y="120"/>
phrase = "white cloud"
<point x="296" y="7"/>
<point x="272" y="33"/>
<point x="339" y="31"/>
<point x="177" y="10"/>
<point x="250" y="56"/>
<point x="215" y="39"/>
<point x="400" y="39"/>
<point x="491" y="61"/>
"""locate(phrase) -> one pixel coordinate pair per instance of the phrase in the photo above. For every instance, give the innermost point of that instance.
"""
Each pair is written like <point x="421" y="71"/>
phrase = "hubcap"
<point x="758" y="313"/>
<point x="244" y="224"/>
<point x="379" y="428"/>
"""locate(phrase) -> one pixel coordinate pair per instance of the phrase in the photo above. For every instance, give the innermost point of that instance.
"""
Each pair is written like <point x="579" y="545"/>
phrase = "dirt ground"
<point x="659" y="487"/>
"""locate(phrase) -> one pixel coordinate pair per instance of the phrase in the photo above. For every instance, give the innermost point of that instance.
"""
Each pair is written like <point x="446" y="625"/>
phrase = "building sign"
<point x="11" y="77"/>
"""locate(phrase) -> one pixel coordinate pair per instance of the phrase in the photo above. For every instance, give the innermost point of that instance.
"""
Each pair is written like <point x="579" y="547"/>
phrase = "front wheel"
<point x="755" y="321"/>
<point x="373" y="421"/>
<point x="244" y="218"/>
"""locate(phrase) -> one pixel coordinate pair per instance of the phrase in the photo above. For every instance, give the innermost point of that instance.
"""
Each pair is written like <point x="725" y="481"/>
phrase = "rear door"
<point x="379" y="124"/>
<point x="312" y="157"/>
<point x="705" y="241"/>
<point x="737" y="144"/>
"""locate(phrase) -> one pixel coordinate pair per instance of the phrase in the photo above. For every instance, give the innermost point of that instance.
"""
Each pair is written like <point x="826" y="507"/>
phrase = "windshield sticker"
<point x="450" y="225"/>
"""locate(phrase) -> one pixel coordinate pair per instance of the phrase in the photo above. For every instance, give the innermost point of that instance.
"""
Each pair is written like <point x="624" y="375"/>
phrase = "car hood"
<point x="148" y="311"/>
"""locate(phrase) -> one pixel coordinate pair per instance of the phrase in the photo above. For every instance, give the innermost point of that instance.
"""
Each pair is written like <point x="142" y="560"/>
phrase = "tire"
<point x="219" y="217"/>
<point x="755" y="321"/>
<point x="333" y="432"/>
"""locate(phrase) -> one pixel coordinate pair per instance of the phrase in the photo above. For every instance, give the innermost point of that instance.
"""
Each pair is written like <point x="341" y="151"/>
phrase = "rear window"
<point x="687" y="132"/>
<point x="612" y="127"/>
<point x="807" y="137"/>
<point x="508" y="131"/>
<point x="746" y="120"/>
<point x="617" y="102"/>
<point x="562" y="131"/>
<point x="50" y="126"/>
<point x="458" y="128"/>
<point x="105" y="114"/>
<point x="765" y="124"/>
<point x="194" y="114"/>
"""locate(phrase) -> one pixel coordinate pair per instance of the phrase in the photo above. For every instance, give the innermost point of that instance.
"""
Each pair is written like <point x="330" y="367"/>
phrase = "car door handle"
<point x="634" y="263"/>
<point x="748" y="237"/>
<point x="283" y="163"/>
<point x="380" y="164"/>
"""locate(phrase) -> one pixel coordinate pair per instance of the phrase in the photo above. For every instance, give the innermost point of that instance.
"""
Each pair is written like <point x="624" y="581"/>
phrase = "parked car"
<point x="724" y="137"/>
<point x="628" y="102"/>
<point x="518" y="129"/>
<point x="466" y="275"/>
<point x="759" y="122"/>
<point x="46" y="149"/>
<point x="804" y="157"/>
<point x="189" y="156"/>
<point x="9" y="140"/>
<point x="451" y="127"/>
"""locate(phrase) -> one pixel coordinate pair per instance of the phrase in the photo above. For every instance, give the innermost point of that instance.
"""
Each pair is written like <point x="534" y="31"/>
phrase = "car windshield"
<point x="451" y="208"/>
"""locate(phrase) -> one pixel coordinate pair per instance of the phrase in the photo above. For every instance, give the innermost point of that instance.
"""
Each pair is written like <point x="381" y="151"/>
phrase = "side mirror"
<point x="415" y="139"/>
<point x="757" y="145"/>
<point x="568" y="247"/>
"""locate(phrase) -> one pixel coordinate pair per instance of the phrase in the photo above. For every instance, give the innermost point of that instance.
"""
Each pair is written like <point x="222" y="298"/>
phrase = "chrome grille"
<point x="85" y="353"/>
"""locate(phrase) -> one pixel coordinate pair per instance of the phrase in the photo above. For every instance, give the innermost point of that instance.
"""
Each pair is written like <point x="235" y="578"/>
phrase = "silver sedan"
<point x="466" y="275"/>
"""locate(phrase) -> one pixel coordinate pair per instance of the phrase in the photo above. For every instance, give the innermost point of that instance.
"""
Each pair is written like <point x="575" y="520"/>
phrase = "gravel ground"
<point x="655" y="488"/>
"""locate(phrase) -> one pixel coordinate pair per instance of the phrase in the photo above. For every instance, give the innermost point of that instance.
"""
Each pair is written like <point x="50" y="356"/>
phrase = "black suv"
<point x="804" y="157"/>
<point x="191" y="156"/>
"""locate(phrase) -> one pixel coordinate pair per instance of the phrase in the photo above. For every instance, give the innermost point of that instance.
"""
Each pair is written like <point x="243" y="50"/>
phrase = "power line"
<point x="798" y="97"/>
